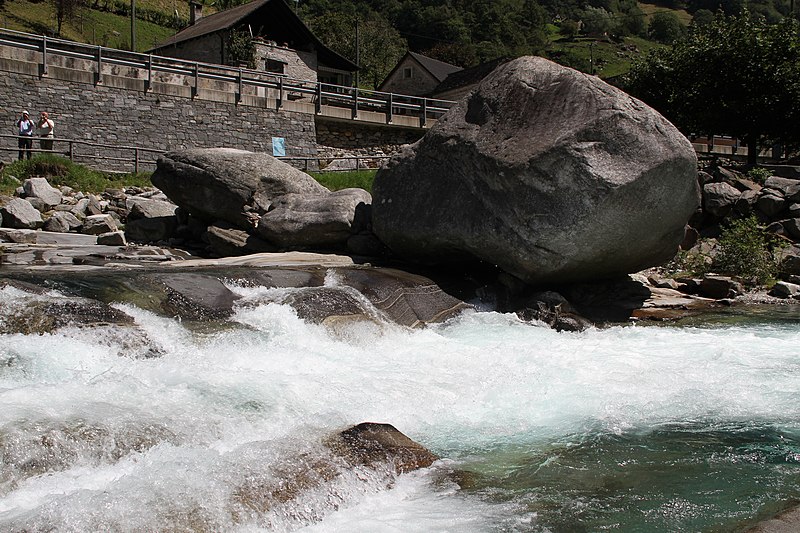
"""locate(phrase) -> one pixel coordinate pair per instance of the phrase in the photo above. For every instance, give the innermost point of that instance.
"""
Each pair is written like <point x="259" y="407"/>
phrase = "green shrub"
<point x="692" y="262"/>
<point x="759" y="174"/>
<point x="747" y="251"/>
<point x="61" y="171"/>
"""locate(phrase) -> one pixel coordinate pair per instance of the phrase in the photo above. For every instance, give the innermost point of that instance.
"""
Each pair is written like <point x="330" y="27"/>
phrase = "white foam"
<point x="480" y="381"/>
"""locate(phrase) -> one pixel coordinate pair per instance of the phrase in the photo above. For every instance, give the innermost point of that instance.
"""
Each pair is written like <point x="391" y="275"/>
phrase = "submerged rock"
<point x="548" y="173"/>
<point x="370" y="444"/>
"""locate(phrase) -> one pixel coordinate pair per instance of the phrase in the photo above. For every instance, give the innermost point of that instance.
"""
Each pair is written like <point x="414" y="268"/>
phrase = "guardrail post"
<point x="355" y="102"/>
<point x="318" y="107"/>
<point x="239" y="92"/>
<point x="279" y="102"/>
<point x="99" y="78"/>
<point x="196" y="85"/>
<point x="71" y="152"/>
<point x="389" y="108"/>
<point x="423" y="116"/>
<point x="44" y="55"/>
<point x="136" y="160"/>
<point x="148" y="84"/>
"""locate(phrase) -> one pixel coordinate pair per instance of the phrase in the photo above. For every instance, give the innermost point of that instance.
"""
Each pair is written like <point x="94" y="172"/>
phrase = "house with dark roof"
<point x="283" y="44"/>
<point x="417" y="75"/>
<point x="458" y="84"/>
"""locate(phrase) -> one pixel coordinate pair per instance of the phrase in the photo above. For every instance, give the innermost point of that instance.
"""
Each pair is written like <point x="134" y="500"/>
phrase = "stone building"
<point x="417" y="75"/>
<point x="283" y="44"/>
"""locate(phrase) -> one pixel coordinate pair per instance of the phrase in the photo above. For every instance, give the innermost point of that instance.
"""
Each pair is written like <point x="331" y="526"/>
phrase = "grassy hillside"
<point x="96" y="26"/>
<point x="608" y="57"/>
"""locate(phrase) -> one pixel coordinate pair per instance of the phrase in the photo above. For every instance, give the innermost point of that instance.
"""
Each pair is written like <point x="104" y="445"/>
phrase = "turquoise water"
<point x="679" y="428"/>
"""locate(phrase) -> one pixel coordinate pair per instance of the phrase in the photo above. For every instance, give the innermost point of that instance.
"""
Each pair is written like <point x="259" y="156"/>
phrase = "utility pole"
<point x="358" y="64"/>
<point x="133" y="25"/>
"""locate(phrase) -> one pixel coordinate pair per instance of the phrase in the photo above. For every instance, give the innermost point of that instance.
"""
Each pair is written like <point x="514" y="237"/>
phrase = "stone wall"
<point x="362" y="138"/>
<point x="128" y="105"/>
<point x="105" y="113"/>
<point x="297" y="65"/>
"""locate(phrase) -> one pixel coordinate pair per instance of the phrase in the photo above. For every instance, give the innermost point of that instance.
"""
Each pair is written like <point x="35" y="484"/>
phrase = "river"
<point x="687" y="427"/>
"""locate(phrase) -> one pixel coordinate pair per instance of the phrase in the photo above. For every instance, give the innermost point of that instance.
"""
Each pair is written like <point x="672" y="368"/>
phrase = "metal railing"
<point x="70" y="148"/>
<point x="328" y="163"/>
<point x="284" y="87"/>
<point x="139" y="157"/>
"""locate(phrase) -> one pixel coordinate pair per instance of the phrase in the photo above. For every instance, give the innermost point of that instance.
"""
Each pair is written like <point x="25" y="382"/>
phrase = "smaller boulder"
<point x="784" y="289"/>
<point x="98" y="224"/>
<point x="20" y="214"/>
<point x="41" y="189"/>
<point x="150" y="220"/>
<point x="719" y="287"/>
<point x="719" y="198"/>
<point x="62" y="222"/>
<point x="790" y="261"/>
<point x="226" y="240"/>
<point x="371" y="444"/>
<point x="788" y="188"/>
<point x="320" y="220"/>
<point x="792" y="227"/>
<point x="112" y="238"/>
<point x="771" y="204"/>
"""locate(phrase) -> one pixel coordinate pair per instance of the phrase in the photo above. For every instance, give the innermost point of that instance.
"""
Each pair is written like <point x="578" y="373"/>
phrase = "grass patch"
<point x="651" y="9"/>
<point x="61" y="171"/>
<point x="88" y="25"/>
<point x="610" y="59"/>
<point x="335" y="181"/>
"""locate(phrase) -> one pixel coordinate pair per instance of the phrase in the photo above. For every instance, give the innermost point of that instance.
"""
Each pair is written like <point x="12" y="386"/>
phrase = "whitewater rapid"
<point x="98" y="435"/>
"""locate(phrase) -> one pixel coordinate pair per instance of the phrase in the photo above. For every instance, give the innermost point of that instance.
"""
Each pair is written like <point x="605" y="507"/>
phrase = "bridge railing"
<point x="241" y="79"/>
<point x="92" y="153"/>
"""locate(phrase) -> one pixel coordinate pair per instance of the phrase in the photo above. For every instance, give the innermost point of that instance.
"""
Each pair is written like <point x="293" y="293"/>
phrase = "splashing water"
<point x="628" y="428"/>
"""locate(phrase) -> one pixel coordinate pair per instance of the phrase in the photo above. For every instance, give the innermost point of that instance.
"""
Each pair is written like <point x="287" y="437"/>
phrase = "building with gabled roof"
<point x="458" y="84"/>
<point x="417" y="75"/>
<point x="283" y="43"/>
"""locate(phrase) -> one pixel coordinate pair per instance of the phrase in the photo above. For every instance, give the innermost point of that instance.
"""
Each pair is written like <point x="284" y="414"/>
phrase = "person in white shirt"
<point x="44" y="128"/>
<point x="25" y="127"/>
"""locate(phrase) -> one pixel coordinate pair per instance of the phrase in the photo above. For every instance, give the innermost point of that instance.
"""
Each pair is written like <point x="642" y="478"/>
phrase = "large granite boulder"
<point x="261" y="195"/>
<point x="551" y="174"/>
<point x="231" y="185"/>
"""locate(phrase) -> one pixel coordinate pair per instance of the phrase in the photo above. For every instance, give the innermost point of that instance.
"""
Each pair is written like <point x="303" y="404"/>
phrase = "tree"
<point x="380" y="46"/>
<point x="737" y="76"/>
<point x="666" y="27"/>
<point x="596" y="20"/>
<point x="702" y="17"/>
<point x="65" y="9"/>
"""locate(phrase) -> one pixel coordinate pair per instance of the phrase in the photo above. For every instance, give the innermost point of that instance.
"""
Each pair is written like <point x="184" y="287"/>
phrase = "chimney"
<point x="195" y="12"/>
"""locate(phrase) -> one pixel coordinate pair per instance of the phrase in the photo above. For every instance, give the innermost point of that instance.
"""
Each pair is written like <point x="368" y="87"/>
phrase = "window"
<point x="271" y="65"/>
<point x="407" y="73"/>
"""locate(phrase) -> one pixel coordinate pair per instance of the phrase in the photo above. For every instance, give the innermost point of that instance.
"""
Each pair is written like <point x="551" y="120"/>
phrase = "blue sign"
<point x="278" y="146"/>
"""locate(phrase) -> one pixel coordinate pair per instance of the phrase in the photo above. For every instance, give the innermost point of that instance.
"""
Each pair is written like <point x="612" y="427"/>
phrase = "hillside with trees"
<point x="597" y="36"/>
